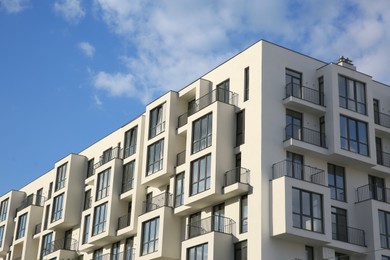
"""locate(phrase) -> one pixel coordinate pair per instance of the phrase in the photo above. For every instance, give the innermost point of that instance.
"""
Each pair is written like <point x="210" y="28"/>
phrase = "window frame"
<point x="202" y="178"/>
<point x="246" y="83"/>
<point x="244" y="214"/>
<point x="47" y="240"/>
<point x="384" y="232"/>
<point x="200" y="137"/>
<point x="4" y="209"/>
<point x="130" y="143"/>
<point x="150" y="236"/>
<point x="349" y="92"/>
<point x="99" y="219"/>
<point x="87" y="223"/>
<point x="128" y="176"/>
<point x="2" y="228"/>
<point x="348" y="136"/>
<point x="155" y="160"/>
<point x="103" y="184"/>
<point x="179" y="189"/>
<point x="61" y="177"/>
<point x="58" y="206"/>
<point x="22" y="222"/>
<point x="335" y="175"/>
<point x="240" y="128"/>
<point x="203" y="252"/>
<point x="301" y="214"/>
<point x="157" y="121"/>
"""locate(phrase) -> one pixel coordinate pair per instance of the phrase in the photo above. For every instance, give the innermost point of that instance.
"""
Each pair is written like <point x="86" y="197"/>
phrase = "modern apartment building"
<point x="272" y="155"/>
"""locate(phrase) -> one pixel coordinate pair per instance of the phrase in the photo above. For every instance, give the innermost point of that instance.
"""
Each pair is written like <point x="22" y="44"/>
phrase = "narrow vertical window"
<point x="90" y="168"/>
<point x="202" y="133"/>
<point x="336" y="181"/>
<point x="293" y="83"/>
<point x="46" y="245"/>
<point x="309" y="252"/>
<point x="200" y="174"/>
<point x="157" y="121"/>
<point x="130" y="142"/>
<point x="246" y="84"/>
<point x="223" y="91"/>
<point x="87" y="199"/>
<point x="57" y="207"/>
<point x="87" y="220"/>
<point x="22" y="221"/>
<point x="61" y="177"/>
<point x="115" y="255"/>
<point x="241" y="250"/>
<point x="384" y="228"/>
<point x="47" y="212"/>
<point x="155" y="157"/>
<point x="150" y="230"/>
<point x="1" y="235"/>
<point x="98" y="254"/>
<point x="107" y="155"/>
<point x="321" y="90"/>
<point x="339" y="224"/>
<point x="179" y="189"/>
<point x="50" y="190"/>
<point x="99" y="219"/>
<point x="128" y="176"/>
<point x="195" y="225"/>
<point x="240" y="128"/>
<point x="40" y="199"/>
<point x="3" y="210"/>
<point x="244" y="214"/>
<point x="103" y="186"/>
<point x="129" y="254"/>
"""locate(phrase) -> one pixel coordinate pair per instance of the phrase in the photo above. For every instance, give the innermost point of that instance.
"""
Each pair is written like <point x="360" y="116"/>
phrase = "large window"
<point x="307" y="210"/>
<point x="295" y="165"/>
<point x="99" y="219"/>
<point x="246" y="84"/>
<point x="87" y="220"/>
<point x="293" y="83"/>
<point x="21" y="226"/>
<point x="240" y="128"/>
<point x="244" y="214"/>
<point x="353" y="135"/>
<point x="336" y="181"/>
<point x="179" y="189"/>
<point x="61" y="177"/>
<point x="384" y="228"/>
<point x="3" y="210"/>
<point x="46" y="245"/>
<point x="157" y="121"/>
<point x="293" y="125"/>
<point x="129" y="254"/>
<point x="155" y="157"/>
<point x="352" y="95"/>
<point x="202" y="133"/>
<point x="128" y="176"/>
<point x="57" y="207"/>
<point x="150" y="236"/>
<point x="199" y="252"/>
<point x="223" y="91"/>
<point x="103" y="186"/>
<point x="130" y="142"/>
<point x="200" y="174"/>
<point x="339" y="224"/>
<point x="241" y="250"/>
<point x="1" y="235"/>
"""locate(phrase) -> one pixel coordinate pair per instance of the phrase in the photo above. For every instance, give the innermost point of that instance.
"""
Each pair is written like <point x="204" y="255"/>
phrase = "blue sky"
<point x="72" y="71"/>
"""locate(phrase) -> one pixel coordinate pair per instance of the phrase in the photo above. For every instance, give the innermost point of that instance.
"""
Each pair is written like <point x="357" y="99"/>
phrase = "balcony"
<point x="63" y="244"/>
<point x="382" y="119"/>
<point x="127" y="255"/>
<point x="308" y="94"/>
<point x="219" y="94"/>
<point x="116" y="153"/>
<point x="299" y="171"/>
<point x="349" y="235"/>
<point x="34" y="200"/>
<point x="128" y="185"/>
<point x="306" y="135"/>
<point x="236" y="182"/>
<point x="211" y="224"/>
<point x="162" y="200"/>
<point x="38" y="229"/>
<point x="373" y="192"/>
<point x="383" y="158"/>
<point x="124" y="221"/>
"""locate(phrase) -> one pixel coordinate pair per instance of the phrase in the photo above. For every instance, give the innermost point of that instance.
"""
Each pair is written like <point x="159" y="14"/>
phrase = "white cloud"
<point x="87" y="48"/>
<point x="71" y="10"/>
<point x="176" y="41"/>
<point x="97" y="101"/>
<point x="13" y="6"/>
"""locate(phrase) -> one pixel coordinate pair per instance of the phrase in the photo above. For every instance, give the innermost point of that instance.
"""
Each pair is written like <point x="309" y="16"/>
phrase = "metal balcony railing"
<point x="211" y="224"/>
<point x="383" y="158"/>
<point x="116" y="153"/>
<point x="218" y="94"/>
<point x="63" y="244"/>
<point x="373" y="192"/>
<point x="350" y="235"/>
<point x="126" y="255"/>
<point x="308" y="94"/>
<point x="181" y="158"/>
<point x="238" y="174"/>
<point x="382" y="119"/>
<point x="305" y="135"/>
<point x="298" y="171"/>
<point x="35" y="200"/>
<point x="162" y="200"/>
<point x="124" y="221"/>
<point x="38" y="228"/>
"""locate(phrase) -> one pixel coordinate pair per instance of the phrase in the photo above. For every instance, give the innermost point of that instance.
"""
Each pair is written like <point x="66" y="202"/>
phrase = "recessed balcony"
<point x="299" y="171"/>
<point x="115" y="153"/>
<point x="373" y="192"/>
<point x="236" y="181"/>
<point x="301" y="97"/>
<point x="383" y="158"/>
<point x="211" y="224"/>
<point x="349" y="235"/>
<point x="382" y="119"/>
<point x="32" y="200"/>
<point x="63" y="248"/>
<point x="162" y="200"/>
<point x="124" y="221"/>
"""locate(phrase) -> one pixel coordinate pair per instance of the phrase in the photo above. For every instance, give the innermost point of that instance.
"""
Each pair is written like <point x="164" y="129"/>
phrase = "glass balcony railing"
<point x="308" y="94"/>
<point x="116" y="153"/>
<point x="211" y="224"/>
<point x="162" y="200"/>
<point x="236" y="175"/>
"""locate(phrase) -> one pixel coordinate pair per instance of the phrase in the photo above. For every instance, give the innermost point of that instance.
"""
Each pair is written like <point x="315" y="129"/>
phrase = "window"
<point x="223" y="93"/>
<point x="340" y="256"/>
<point x="309" y="253"/>
<point x="3" y="210"/>
<point x="194" y="225"/>
<point x="128" y="176"/>
<point x="115" y="255"/>
<point x="90" y="168"/>
<point x="307" y="210"/>
<point x="46" y="245"/>
<point x="50" y="190"/>
<point x="353" y="135"/>
<point x="87" y="199"/>
<point x="293" y="83"/>
<point x="157" y="121"/>
<point x="57" y="207"/>
<point x="130" y="142"/>
<point x="241" y="250"/>
<point x="129" y="248"/>
<point x="68" y="240"/>
<point x="61" y="177"/>
<point x="102" y="189"/>
<point x="322" y="132"/>
<point x="200" y="174"/>
<point x="379" y="154"/>
<point x="150" y="236"/>
<point x="383" y="258"/>
<point x="240" y="128"/>
<point x="377" y="188"/>
<point x="40" y="198"/>
<point x="179" y="189"/>
<point x="352" y="95"/>
<point x="47" y="212"/>
<point x="202" y="133"/>
<point x="87" y="220"/>
<point x="1" y="235"/>
<point x="107" y="155"/>
<point x="336" y="181"/>
<point x="21" y="226"/>
<point x="293" y="125"/>
<point x="218" y="218"/>
<point x="244" y="214"/>
<point x="295" y="165"/>
<point x="199" y="252"/>
<point x="98" y="254"/>
<point x="155" y="157"/>
<point x="376" y="111"/>
<point x="339" y="224"/>
<point x="99" y="219"/>
<point x="246" y="83"/>
<point x="321" y="90"/>
<point x="384" y="228"/>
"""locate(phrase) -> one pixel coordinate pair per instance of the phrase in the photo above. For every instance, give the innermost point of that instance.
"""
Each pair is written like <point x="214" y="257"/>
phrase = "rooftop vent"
<point x="346" y="62"/>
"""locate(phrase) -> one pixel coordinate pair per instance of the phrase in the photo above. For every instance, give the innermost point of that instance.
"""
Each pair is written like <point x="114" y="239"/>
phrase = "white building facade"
<point x="272" y="155"/>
